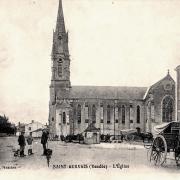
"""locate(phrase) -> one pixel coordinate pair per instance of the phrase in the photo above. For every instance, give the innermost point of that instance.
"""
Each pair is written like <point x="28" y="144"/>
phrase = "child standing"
<point x="29" y="142"/>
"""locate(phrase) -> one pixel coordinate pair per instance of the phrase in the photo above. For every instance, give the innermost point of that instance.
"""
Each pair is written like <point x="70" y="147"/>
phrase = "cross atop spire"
<point x="60" y="25"/>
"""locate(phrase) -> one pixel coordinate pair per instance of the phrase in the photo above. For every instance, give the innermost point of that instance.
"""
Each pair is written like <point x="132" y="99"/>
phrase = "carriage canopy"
<point x="168" y="127"/>
<point x="128" y="131"/>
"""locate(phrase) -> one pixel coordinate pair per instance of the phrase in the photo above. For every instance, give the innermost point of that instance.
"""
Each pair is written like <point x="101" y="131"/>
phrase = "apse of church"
<point x="73" y="108"/>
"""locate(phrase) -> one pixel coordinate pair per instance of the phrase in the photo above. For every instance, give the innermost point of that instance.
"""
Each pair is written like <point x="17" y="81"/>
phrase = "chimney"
<point x="178" y="94"/>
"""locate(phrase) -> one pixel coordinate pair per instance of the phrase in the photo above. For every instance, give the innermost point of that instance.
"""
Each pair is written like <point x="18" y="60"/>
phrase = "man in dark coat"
<point x="44" y="139"/>
<point x="22" y="144"/>
<point x="30" y="143"/>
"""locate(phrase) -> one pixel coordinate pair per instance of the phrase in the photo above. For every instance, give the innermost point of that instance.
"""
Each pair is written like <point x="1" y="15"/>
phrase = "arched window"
<point x="94" y="114"/>
<point x="86" y="113"/>
<point x="138" y="114"/>
<point x="123" y="114"/>
<point x="64" y="118"/>
<point x="108" y="114"/>
<point x="79" y="114"/>
<point x="167" y="109"/>
<point x="116" y="113"/>
<point x="102" y="112"/>
<point x="60" y="67"/>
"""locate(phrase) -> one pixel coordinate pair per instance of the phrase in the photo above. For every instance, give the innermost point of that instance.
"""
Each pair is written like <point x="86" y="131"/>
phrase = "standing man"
<point x="122" y="136"/>
<point x="29" y="142"/>
<point x="22" y="144"/>
<point x="44" y="139"/>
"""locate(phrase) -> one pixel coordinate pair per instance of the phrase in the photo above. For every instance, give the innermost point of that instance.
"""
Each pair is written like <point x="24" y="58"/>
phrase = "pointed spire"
<point x="168" y="72"/>
<point x="60" y="25"/>
<point x="53" y="46"/>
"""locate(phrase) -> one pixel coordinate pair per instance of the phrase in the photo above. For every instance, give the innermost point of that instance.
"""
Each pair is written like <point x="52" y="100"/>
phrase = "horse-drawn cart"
<point x="166" y="140"/>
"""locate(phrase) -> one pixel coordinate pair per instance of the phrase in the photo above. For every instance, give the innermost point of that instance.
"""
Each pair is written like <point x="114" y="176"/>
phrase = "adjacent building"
<point x="20" y="128"/>
<point x="73" y="108"/>
<point x="34" y="127"/>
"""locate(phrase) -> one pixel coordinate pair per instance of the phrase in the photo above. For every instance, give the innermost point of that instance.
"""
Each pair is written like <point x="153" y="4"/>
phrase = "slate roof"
<point x="37" y="130"/>
<point x="167" y="77"/>
<point x="107" y="92"/>
<point x="91" y="128"/>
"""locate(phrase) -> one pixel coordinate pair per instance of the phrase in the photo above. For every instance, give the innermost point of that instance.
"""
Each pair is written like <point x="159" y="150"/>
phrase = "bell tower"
<point x="60" y="51"/>
<point x="60" y="79"/>
<point x="60" y="67"/>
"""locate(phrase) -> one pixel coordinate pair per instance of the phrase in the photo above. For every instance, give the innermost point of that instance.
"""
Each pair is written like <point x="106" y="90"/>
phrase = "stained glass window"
<point x="167" y="109"/>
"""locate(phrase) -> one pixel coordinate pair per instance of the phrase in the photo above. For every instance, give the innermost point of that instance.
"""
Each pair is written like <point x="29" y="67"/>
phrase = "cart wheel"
<point x="158" y="151"/>
<point x="129" y="137"/>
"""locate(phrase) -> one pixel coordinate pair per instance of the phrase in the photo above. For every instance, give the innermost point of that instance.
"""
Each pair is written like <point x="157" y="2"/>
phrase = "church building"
<point x="109" y="108"/>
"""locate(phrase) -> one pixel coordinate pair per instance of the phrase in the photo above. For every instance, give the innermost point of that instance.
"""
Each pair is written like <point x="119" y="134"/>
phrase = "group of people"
<point x="22" y="143"/>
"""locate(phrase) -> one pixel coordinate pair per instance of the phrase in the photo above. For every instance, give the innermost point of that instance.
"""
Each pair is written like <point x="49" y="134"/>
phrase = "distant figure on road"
<point x="22" y="144"/>
<point x="29" y="142"/>
<point x="122" y="136"/>
<point x="44" y="139"/>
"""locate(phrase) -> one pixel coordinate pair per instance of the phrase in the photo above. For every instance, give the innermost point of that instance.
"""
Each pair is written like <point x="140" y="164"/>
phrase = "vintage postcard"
<point x="89" y="89"/>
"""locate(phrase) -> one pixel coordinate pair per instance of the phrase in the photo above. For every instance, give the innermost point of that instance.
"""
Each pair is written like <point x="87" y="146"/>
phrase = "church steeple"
<point x="60" y="51"/>
<point x="60" y="36"/>
<point x="60" y="25"/>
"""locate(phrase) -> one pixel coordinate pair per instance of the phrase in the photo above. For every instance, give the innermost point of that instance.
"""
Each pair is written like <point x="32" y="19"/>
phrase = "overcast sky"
<point x="111" y="42"/>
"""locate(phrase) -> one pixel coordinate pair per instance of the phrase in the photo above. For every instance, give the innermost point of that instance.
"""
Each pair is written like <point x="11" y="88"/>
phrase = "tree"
<point x="6" y="126"/>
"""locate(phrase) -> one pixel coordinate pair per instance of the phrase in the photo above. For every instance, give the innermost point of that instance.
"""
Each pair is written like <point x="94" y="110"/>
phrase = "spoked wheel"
<point x="158" y="151"/>
<point x="129" y="137"/>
